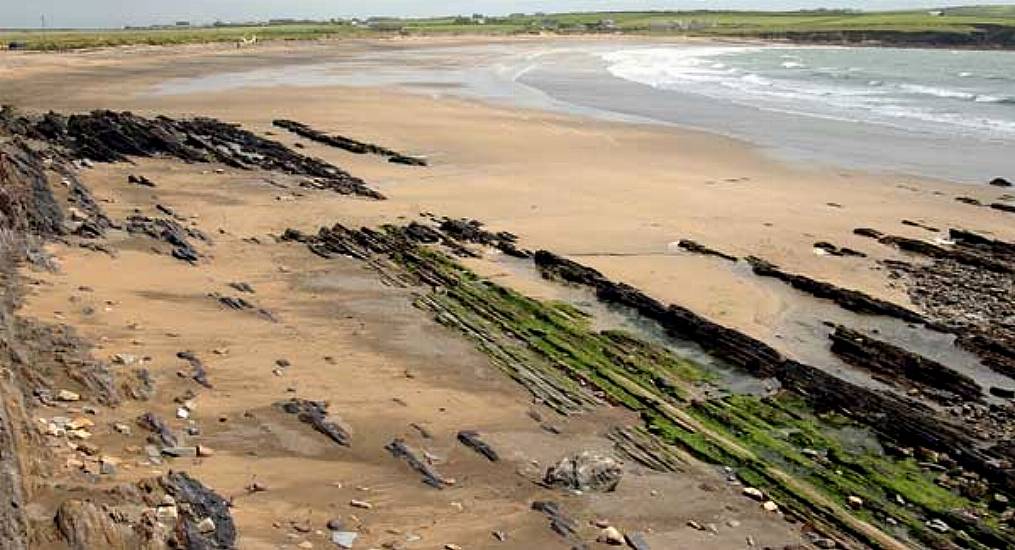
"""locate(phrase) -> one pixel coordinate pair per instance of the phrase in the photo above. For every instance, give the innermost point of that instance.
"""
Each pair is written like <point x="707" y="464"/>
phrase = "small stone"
<point x="206" y="525"/>
<point x="205" y="451"/>
<point x="939" y="526"/>
<point x="305" y="544"/>
<point x="695" y="525"/>
<point x="756" y="494"/>
<point x="67" y="395"/>
<point x="854" y="502"/>
<point x="335" y="524"/>
<point x="79" y="434"/>
<point x="80" y="423"/>
<point x="122" y="428"/>
<point x="343" y="539"/>
<point x="182" y="412"/>
<point x="501" y="536"/>
<point x="733" y="523"/>
<point x="611" y="536"/>
<point x="360" y="504"/>
<point x="450" y="546"/>
<point x="167" y="514"/>
<point x="824" y="543"/>
<point x="180" y="452"/>
<point x="770" y="506"/>
<point x="601" y="523"/>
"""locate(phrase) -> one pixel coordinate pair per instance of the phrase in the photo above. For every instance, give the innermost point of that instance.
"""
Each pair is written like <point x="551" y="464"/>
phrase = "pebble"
<point x="855" y="502"/>
<point x="770" y="506"/>
<point x="67" y="395"/>
<point x="360" y="504"/>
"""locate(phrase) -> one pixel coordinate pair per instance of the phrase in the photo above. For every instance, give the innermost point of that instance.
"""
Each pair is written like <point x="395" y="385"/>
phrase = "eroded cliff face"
<point x="47" y="369"/>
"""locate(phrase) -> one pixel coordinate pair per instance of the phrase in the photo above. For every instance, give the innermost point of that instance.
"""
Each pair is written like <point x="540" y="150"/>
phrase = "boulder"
<point x="585" y="471"/>
<point x="1000" y="182"/>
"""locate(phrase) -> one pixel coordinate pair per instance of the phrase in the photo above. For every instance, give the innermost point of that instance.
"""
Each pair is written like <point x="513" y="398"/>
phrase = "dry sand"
<point x="612" y="194"/>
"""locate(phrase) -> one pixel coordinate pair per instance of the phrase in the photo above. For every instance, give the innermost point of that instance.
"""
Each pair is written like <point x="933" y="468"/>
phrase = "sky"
<point x="117" y="13"/>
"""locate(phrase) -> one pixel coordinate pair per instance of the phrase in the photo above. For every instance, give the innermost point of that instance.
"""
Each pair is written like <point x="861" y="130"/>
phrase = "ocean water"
<point x="945" y="114"/>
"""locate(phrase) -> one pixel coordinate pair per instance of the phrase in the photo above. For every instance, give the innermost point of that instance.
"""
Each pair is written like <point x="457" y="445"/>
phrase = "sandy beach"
<point x="614" y="196"/>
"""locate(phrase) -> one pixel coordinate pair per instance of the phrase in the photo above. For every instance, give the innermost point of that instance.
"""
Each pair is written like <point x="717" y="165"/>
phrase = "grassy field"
<point x="953" y="25"/>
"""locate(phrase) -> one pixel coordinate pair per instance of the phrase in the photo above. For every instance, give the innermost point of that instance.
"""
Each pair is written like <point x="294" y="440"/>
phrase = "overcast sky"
<point x="116" y="13"/>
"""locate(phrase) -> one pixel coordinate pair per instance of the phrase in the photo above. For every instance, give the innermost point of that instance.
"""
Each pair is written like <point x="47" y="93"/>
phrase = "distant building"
<point x="183" y="23"/>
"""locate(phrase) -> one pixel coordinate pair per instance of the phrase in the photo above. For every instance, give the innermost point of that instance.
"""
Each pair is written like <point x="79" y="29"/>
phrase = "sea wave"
<point x="736" y="74"/>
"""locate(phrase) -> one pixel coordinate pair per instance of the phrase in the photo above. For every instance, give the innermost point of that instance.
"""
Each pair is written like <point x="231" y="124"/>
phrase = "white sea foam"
<point x="846" y="92"/>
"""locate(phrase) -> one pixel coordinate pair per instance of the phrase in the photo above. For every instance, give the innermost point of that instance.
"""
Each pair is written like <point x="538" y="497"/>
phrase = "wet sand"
<point x="613" y="195"/>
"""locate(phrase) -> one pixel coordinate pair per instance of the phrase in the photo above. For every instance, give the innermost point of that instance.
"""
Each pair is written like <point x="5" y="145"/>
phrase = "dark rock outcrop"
<point x="851" y="300"/>
<point x="347" y="144"/>
<point x="698" y="248"/>
<point x="903" y="368"/>
<point x="999" y="182"/>
<point x="315" y="413"/>
<point x="108" y="136"/>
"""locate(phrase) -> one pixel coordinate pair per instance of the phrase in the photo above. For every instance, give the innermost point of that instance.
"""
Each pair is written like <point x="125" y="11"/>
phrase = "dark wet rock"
<point x="162" y="434"/>
<point x="984" y="244"/>
<point x="833" y="250"/>
<point x="903" y="368"/>
<point x="585" y="471"/>
<point x="471" y="231"/>
<point x="169" y="231"/>
<point x="26" y="201"/>
<point x="868" y="232"/>
<point x="140" y="180"/>
<point x="107" y="136"/>
<point x="472" y="440"/>
<point x="315" y="413"/>
<point x="926" y="227"/>
<point x="242" y="287"/>
<point x="851" y="300"/>
<point x="969" y="200"/>
<point x="698" y="248"/>
<point x="962" y="255"/>
<point x="199" y="373"/>
<point x="1004" y="393"/>
<point x="197" y="503"/>
<point x="999" y="182"/>
<point x="964" y="298"/>
<point x="910" y="421"/>
<point x="399" y="449"/>
<point x="561" y="523"/>
<point x="1003" y="207"/>
<point x="347" y="144"/>
<point x="239" y="303"/>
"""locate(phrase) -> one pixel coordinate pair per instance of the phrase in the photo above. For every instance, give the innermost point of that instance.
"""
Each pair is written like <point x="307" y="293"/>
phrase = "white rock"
<point x="611" y="536"/>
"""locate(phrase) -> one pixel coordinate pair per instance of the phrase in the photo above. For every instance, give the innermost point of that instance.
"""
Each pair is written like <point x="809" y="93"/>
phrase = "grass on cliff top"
<point x="709" y="23"/>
